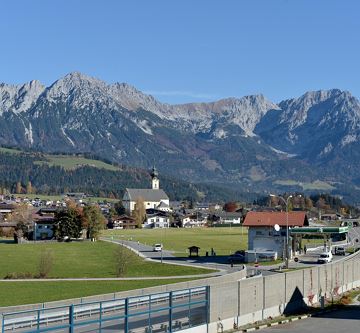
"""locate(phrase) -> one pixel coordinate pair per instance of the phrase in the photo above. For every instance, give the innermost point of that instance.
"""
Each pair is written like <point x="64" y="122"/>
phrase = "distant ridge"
<point x="249" y="142"/>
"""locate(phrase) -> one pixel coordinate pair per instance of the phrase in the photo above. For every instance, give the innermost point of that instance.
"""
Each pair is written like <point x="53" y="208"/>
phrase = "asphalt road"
<point x="213" y="262"/>
<point x="347" y="320"/>
<point x="354" y="236"/>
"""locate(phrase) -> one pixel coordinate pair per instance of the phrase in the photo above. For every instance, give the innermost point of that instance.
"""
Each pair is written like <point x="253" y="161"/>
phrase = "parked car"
<point x="325" y="258"/>
<point x="339" y="251"/>
<point x="157" y="247"/>
<point x="238" y="256"/>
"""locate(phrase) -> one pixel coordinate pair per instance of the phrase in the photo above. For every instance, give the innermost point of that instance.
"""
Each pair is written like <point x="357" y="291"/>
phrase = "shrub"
<point x="45" y="263"/>
<point x="121" y="258"/>
<point x="18" y="275"/>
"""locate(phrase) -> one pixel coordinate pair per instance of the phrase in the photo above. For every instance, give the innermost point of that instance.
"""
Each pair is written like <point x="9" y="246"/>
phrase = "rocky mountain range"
<point x="310" y="142"/>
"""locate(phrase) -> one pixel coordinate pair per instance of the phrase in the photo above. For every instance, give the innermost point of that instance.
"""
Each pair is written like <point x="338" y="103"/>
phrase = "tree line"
<point x="70" y="222"/>
<point x="27" y="173"/>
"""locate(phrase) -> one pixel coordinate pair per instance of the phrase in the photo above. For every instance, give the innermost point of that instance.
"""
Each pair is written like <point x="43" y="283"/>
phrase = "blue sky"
<point x="186" y="50"/>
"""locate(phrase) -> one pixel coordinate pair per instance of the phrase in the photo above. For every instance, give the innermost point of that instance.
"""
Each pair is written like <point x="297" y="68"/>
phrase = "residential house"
<point x="329" y="217"/>
<point x="229" y="217"/>
<point x="192" y="221"/>
<point x="164" y="207"/>
<point x="122" y="222"/>
<point x="157" y="220"/>
<point x="44" y="223"/>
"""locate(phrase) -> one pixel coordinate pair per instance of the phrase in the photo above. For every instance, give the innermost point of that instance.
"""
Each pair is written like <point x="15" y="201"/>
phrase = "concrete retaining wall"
<point x="235" y="299"/>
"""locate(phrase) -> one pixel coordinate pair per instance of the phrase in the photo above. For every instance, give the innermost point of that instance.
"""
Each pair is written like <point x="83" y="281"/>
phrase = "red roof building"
<point x="269" y="219"/>
<point x="263" y="236"/>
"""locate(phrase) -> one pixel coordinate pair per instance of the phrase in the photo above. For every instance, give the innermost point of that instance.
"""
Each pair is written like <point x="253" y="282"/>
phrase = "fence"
<point x="229" y="300"/>
<point x="163" y="312"/>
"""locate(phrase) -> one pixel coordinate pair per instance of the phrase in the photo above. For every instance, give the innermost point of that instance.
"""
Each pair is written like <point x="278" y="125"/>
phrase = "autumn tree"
<point x="230" y="207"/>
<point x="18" y="189"/>
<point x="308" y="203"/>
<point x="29" y="189"/>
<point x="139" y="212"/>
<point x="93" y="220"/>
<point x="22" y="216"/>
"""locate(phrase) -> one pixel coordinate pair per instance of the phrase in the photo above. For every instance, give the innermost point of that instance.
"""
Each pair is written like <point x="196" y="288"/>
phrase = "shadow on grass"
<point x="7" y="241"/>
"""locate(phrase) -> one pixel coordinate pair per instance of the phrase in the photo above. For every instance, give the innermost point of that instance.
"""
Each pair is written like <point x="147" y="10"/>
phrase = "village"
<point x="274" y="231"/>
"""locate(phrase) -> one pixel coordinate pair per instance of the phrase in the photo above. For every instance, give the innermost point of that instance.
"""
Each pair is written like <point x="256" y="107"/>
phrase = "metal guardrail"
<point x="157" y="310"/>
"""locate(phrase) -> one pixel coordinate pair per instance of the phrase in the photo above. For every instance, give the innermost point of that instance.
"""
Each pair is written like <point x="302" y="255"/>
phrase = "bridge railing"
<point x="163" y="312"/>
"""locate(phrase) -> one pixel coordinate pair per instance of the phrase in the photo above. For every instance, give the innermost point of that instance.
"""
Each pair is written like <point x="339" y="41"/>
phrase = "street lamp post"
<point x="286" y="202"/>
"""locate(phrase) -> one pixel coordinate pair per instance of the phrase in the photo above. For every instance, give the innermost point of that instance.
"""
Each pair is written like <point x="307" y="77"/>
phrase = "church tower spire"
<point x="155" y="179"/>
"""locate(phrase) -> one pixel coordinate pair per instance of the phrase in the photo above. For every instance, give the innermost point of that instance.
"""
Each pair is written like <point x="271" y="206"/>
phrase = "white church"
<point x="153" y="198"/>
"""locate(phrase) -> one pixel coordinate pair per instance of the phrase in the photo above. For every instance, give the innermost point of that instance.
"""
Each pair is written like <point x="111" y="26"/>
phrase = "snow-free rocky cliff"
<point x="249" y="141"/>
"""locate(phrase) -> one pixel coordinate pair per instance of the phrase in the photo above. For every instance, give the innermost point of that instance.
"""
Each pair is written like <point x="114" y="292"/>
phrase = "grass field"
<point x="9" y="150"/>
<point x="223" y="240"/>
<point x="73" y="162"/>
<point x="85" y="259"/>
<point x="68" y="162"/>
<point x="316" y="185"/>
<point x="15" y="293"/>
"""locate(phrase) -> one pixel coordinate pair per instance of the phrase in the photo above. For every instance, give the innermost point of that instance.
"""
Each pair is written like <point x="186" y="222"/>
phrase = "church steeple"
<point x="155" y="179"/>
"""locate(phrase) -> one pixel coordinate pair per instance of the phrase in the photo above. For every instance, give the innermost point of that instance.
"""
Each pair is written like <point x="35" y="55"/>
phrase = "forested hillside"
<point x="24" y="172"/>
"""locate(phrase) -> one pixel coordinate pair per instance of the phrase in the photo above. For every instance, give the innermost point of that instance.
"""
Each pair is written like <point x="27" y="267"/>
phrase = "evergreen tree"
<point x="119" y="208"/>
<point x="69" y="223"/>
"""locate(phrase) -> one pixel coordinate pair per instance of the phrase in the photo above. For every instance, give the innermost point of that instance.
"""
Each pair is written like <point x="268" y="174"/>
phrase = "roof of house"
<point x="147" y="194"/>
<point x="123" y="217"/>
<point x="4" y="205"/>
<point x="163" y="205"/>
<point x="229" y="215"/>
<point x="264" y="219"/>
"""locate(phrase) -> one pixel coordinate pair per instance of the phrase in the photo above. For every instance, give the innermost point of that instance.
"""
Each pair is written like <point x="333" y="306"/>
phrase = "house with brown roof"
<point x="264" y="236"/>
<point x="122" y="222"/>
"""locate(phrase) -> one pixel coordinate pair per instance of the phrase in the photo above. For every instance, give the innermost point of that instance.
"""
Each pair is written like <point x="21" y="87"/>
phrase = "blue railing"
<point x="162" y="312"/>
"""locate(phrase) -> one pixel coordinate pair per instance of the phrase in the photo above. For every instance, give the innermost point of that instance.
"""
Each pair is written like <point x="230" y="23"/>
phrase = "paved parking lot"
<point x="347" y="320"/>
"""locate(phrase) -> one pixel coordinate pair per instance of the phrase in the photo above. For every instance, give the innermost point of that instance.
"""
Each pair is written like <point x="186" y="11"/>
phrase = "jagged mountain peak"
<point x="79" y="88"/>
<point x="77" y="80"/>
<point x="310" y="98"/>
<point x="295" y="110"/>
<point x="244" y="112"/>
<point x="19" y="98"/>
<point x="131" y="98"/>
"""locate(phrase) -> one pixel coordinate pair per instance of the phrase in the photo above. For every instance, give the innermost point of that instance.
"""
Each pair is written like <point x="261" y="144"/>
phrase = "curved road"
<point x="146" y="251"/>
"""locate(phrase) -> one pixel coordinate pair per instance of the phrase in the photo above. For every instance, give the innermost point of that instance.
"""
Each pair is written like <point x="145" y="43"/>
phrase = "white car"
<point x="339" y="251"/>
<point x="325" y="258"/>
<point x="157" y="247"/>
